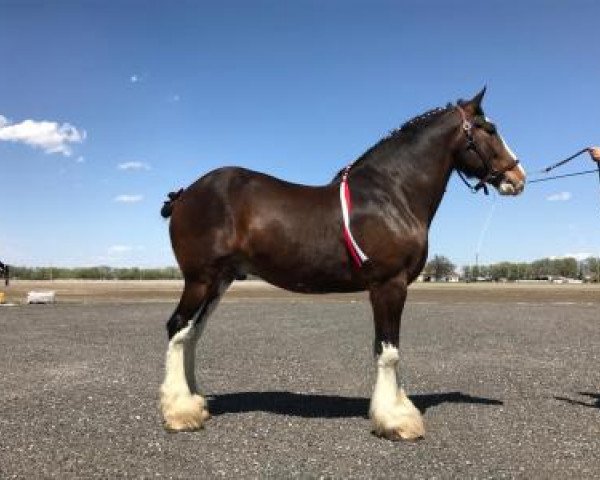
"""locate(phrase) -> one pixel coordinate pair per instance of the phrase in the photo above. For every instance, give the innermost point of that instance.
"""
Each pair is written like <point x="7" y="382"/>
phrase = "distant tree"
<point x="590" y="268"/>
<point x="568" y="267"/>
<point x="467" y="272"/>
<point x="439" y="267"/>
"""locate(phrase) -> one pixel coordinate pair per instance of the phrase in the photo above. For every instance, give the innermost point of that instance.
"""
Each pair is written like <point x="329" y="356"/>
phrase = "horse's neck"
<point x="439" y="165"/>
<point x="421" y="173"/>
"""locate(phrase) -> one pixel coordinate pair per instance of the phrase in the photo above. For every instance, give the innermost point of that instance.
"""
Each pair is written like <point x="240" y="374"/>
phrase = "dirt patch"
<point x="169" y="291"/>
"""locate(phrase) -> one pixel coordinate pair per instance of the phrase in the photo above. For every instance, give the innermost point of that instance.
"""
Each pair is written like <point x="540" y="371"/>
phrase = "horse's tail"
<point x="167" y="207"/>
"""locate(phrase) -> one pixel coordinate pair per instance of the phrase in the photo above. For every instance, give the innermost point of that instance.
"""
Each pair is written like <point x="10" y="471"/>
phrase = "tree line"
<point x="95" y="273"/>
<point x="440" y="267"/>
<point x="569" y="267"/>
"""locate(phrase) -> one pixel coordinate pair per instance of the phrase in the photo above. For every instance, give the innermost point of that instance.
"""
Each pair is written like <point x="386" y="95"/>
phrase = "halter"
<point x="490" y="172"/>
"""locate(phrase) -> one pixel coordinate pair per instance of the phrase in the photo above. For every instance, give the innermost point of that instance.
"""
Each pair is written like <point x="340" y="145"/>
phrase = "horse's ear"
<point x="474" y="105"/>
<point x="479" y="97"/>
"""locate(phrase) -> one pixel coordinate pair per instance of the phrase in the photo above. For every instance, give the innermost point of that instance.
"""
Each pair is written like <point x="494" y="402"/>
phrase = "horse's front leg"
<point x="392" y="413"/>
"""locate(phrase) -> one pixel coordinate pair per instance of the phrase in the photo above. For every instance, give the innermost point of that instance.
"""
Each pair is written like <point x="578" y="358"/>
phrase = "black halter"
<point x="490" y="172"/>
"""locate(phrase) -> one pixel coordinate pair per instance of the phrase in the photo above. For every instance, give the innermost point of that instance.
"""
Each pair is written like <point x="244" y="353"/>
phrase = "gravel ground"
<point x="507" y="390"/>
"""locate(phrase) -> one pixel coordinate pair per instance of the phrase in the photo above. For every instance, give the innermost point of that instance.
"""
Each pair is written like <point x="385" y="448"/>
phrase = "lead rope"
<point x="566" y="160"/>
<point x="598" y="167"/>
<point x="555" y="177"/>
<point x="562" y="162"/>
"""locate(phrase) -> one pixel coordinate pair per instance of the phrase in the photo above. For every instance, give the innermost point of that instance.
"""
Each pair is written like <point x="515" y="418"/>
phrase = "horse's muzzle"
<point x="509" y="188"/>
<point x="512" y="181"/>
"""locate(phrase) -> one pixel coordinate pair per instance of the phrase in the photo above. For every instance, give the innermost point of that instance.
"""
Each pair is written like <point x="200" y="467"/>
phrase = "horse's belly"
<point x="328" y="284"/>
<point x="305" y="274"/>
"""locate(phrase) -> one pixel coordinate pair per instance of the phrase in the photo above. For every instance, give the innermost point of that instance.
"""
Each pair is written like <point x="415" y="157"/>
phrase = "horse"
<point x="233" y="222"/>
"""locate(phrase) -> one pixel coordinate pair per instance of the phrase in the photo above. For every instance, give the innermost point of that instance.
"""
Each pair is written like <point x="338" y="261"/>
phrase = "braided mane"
<point x="406" y="131"/>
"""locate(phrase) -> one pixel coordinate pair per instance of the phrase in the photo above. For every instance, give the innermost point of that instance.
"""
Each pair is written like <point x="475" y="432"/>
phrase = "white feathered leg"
<point x="393" y="414"/>
<point x="182" y="407"/>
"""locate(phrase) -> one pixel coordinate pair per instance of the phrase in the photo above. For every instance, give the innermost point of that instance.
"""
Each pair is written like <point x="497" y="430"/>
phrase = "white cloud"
<point x="129" y="198"/>
<point x="559" y="197"/>
<point x="49" y="136"/>
<point x="133" y="166"/>
<point x="80" y="159"/>
<point x="119" y="249"/>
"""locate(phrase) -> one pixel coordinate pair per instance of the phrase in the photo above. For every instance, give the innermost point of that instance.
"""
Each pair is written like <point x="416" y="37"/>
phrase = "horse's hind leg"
<point x="392" y="413"/>
<point x="183" y="408"/>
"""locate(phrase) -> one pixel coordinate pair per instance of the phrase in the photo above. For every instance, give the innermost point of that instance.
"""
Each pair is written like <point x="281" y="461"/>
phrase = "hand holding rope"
<point x="594" y="154"/>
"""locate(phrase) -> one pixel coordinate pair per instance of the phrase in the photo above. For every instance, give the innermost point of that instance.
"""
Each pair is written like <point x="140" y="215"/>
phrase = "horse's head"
<point x="483" y="153"/>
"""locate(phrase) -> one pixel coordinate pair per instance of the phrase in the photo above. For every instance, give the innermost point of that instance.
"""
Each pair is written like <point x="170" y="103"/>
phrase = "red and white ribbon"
<point x="357" y="254"/>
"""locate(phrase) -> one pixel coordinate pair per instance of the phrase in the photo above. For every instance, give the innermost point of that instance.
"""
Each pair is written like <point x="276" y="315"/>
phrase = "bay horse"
<point x="232" y="222"/>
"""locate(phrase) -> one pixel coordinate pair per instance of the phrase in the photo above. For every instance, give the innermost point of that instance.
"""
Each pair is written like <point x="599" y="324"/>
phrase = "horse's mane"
<point x="418" y="123"/>
<point x="405" y="133"/>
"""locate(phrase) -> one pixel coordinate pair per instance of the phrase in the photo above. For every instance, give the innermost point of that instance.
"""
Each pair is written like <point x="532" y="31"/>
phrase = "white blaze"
<point x="504" y="144"/>
<point x="508" y="149"/>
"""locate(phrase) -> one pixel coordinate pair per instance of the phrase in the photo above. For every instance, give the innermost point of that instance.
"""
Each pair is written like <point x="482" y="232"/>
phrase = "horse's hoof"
<point x="180" y="427"/>
<point x="397" y="420"/>
<point x="400" y="434"/>
<point x="186" y="423"/>
<point x="409" y="435"/>
<point x="184" y="414"/>
<point x="408" y="427"/>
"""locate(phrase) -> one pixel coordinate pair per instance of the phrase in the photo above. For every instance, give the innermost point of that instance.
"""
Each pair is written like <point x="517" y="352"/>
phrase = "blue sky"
<point x="107" y="106"/>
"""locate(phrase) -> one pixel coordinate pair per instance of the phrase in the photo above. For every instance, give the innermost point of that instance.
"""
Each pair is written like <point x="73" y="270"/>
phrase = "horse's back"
<point x="247" y="189"/>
